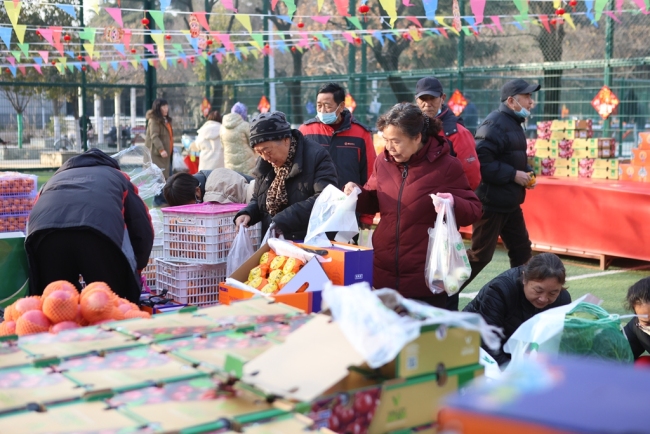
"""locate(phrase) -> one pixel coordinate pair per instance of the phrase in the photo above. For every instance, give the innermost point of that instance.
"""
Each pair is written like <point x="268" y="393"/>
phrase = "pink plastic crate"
<point x="202" y="233"/>
<point x="193" y="284"/>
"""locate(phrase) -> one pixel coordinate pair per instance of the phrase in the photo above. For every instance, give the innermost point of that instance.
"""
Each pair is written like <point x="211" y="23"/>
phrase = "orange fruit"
<point x="79" y="319"/>
<point x="96" y="305"/>
<point x="26" y="304"/>
<point x="99" y="286"/>
<point x="61" y="285"/>
<point x="136" y="314"/>
<point x="10" y="313"/>
<point x="33" y="321"/>
<point x="65" y="325"/>
<point x="60" y="306"/>
<point x="7" y="328"/>
<point x="117" y="314"/>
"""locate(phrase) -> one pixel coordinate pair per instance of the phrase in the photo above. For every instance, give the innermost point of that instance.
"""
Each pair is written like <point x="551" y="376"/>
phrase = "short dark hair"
<point x="639" y="293"/>
<point x="545" y="266"/>
<point x="411" y="120"/>
<point x="155" y="107"/>
<point x="180" y="189"/>
<point x="335" y="89"/>
<point x="214" y="115"/>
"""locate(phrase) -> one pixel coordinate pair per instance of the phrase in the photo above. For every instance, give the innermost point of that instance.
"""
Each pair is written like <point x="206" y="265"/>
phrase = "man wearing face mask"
<point x="431" y="100"/>
<point x="348" y="141"/>
<point x="505" y="176"/>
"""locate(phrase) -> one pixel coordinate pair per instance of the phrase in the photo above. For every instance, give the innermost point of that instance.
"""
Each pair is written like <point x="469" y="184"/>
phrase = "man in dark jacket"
<point x="347" y="140"/>
<point x="88" y="219"/>
<point x="431" y="100"/>
<point x="291" y="174"/>
<point x="501" y="148"/>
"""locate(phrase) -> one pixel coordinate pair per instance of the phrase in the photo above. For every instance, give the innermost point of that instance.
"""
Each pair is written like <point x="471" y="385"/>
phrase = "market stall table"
<point x="589" y="218"/>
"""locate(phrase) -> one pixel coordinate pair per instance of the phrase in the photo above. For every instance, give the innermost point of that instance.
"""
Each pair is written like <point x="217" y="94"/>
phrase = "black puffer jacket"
<point x="502" y="303"/>
<point x="639" y="341"/>
<point x="312" y="171"/>
<point x="501" y="149"/>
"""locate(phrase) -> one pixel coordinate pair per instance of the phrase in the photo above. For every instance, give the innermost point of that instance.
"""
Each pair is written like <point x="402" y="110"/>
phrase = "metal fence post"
<point x="363" y="81"/>
<point x="352" y="52"/>
<point x="150" y="73"/>
<point x="265" y="11"/>
<point x="609" y="50"/>
<point x="82" y="106"/>
<point x="460" y="48"/>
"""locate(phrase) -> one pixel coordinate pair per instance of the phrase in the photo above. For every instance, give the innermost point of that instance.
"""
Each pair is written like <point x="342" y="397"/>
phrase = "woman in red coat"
<point x="415" y="164"/>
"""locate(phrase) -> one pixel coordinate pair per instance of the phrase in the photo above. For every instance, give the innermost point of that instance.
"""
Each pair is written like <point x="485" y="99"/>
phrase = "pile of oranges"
<point x="62" y="307"/>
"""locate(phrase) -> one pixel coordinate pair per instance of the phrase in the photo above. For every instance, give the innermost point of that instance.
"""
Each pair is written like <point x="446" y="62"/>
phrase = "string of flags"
<point x="111" y="47"/>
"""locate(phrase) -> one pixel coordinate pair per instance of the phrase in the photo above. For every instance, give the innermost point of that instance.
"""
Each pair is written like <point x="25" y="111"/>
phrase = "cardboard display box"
<point x="600" y="173"/>
<point x="582" y="124"/>
<point x="316" y="364"/>
<point x="571" y="134"/>
<point x="346" y="264"/>
<point x="546" y="143"/>
<point x="11" y="355"/>
<point x="302" y="292"/>
<point x="547" y="152"/>
<point x="640" y="157"/>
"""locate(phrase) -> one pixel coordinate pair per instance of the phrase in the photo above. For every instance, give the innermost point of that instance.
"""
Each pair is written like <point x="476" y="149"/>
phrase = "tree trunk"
<point x="217" y="90"/>
<point x="295" y="90"/>
<point x="550" y="45"/>
<point x="19" y="119"/>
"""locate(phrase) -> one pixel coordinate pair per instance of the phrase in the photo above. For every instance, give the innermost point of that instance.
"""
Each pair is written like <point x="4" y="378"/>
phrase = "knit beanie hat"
<point x="241" y="110"/>
<point x="268" y="127"/>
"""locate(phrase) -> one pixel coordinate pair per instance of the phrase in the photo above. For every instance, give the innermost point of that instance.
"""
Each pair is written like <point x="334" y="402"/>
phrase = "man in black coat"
<point x="291" y="174"/>
<point x="505" y="176"/>
<point x="88" y="219"/>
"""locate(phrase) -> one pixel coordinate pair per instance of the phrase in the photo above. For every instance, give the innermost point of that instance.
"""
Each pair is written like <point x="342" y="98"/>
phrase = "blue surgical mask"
<point x="327" y="118"/>
<point x="524" y="113"/>
<point x="439" y="111"/>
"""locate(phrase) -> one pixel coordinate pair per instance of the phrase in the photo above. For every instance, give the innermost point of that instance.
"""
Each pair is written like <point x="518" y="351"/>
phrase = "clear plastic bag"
<point x="271" y="233"/>
<point x="135" y="161"/>
<point x="240" y="251"/>
<point x="178" y="163"/>
<point x="333" y="211"/>
<point x="447" y="266"/>
<point x="158" y="226"/>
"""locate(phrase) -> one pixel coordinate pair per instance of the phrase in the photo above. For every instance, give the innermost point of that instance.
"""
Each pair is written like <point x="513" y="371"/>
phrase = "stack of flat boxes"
<point x="639" y="165"/>
<point x="568" y="149"/>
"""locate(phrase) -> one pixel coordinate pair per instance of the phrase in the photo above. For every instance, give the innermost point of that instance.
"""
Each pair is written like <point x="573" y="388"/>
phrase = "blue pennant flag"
<point x="329" y="36"/>
<point x="377" y="34"/>
<point x="518" y="25"/>
<point x="472" y="23"/>
<point x="164" y="4"/>
<point x="390" y="37"/>
<point x="119" y="48"/>
<point x="285" y="18"/>
<point x="13" y="70"/>
<point x="5" y="35"/>
<point x="115" y="66"/>
<point x="38" y="60"/>
<point x="71" y="54"/>
<point x="77" y="65"/>
<point x="68" y="9"/>
<point x="195" y="44"/>
<point x="238" y="55"/>
<point x="145" y="64"/>
<point x="282" y="46"/>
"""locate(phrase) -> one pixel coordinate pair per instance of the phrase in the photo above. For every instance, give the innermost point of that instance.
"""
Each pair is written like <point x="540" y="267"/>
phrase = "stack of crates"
<point x="17" y="196"/>
<point x="196" y="242"/>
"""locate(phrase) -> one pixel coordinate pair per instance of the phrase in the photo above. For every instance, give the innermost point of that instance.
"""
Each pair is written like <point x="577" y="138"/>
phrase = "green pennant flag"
<point x="17" y="55"/>
<point x="178" y="48"/>
<point x="522" y="6"/>
<point x="88" y="34"/>
<point x="202" y="60"/>
<point x="466" y="31"/>
<point x="158" y="18"/>
<point x="258" y="40"/>
<point x="104" y="66"/>
<point x="355" y="22"/>
<point x="291" y="7"/>
<point x="24" y="48"/>
<point x="70" y="67"/>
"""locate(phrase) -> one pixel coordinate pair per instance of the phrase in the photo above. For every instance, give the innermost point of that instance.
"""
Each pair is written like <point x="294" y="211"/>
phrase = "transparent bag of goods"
<point x="240" y="251"/>
<point x="135" y="161"/>
<point x="333" y="211"/>
<point x="447" y="266"/>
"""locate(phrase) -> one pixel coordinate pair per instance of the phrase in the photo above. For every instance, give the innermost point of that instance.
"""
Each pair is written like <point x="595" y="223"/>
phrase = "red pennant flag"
<point x="544" y="20"/>
<point x="200" y="17"/>
<point x="342" y="7"/>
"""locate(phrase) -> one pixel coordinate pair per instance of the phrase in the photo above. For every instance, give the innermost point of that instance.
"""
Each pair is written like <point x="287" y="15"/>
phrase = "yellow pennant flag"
<point x="368" y="40"/>
<point x="90" y="49"/>
<point x="320" y="5"/>
<point x="163" y="62"/>
<point x="159" y="39"/>
<point x="390" y="6"/>
<point x="441" y="20"/>
<point x="20" y="32"/>
<point x="60" y="68"/>
<point x="557" y="4"/>
<point x="13" y="10"/>
<point x="569" y="20"/>
<point x="94" y="5"/>
<point x="245" y="20"/>
<point x="63" y="61"/>
<point x="339" y="43"/>
<point x="415" y="35"/>
<point x="135" y="64"/>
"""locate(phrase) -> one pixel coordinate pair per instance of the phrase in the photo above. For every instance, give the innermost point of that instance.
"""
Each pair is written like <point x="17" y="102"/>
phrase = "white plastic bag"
<point x="178" y="164"/>
<point x="158" y="226"/>
<point x="135" y="161"/>
<point x="447" y="266"/>
<point x="369" y="321"/>
<point x="333" y="211"/>
<point x="365" y="237"/>
<point x="271" y="233"/>
<point x="240" y="251"/>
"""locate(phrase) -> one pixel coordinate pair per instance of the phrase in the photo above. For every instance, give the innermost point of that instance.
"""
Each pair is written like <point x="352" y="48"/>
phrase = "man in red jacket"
<point x="347" y="140"/>
<point x="431" y="100"/>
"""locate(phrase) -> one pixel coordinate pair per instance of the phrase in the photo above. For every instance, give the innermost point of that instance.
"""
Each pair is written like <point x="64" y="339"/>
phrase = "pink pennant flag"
<point x="12" y="60"/>
<point x="126" y="38"/>
<point x="45" y="55"/>
<point x="225" y="40"/>
<point x="150" y="47"/>
<point x="47" y="34"/>
<point x="497" y="22"/>
<point x="348" y="37"/>
<point x="304" y="40"/>
<point x="22" y="69"/>
<point x="415" y="21"/>
<point x="37" y="67"/>
<point x="323" y="19"/>
<point x="219" y="57"/>
<point x="342" y="7"/>
<point x="407" y="3"/>
<point x="56" y="39"/>
<point x="619" y="6"/>
<point x="228" y="5"/>
<point x="612" y="16"/>
<point x="124" y="64"/>
<point x="200" y="16"/>
<point x="443" y="31"/>
<point x="477" y="6"/>
<point x="544" y="19"/>
<point x="116" y="13"/>
<point x="641" y="5"/>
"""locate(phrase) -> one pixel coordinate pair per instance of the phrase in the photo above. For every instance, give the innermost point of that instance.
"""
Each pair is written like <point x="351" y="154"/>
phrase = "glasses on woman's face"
<point x="266" y="151"/>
